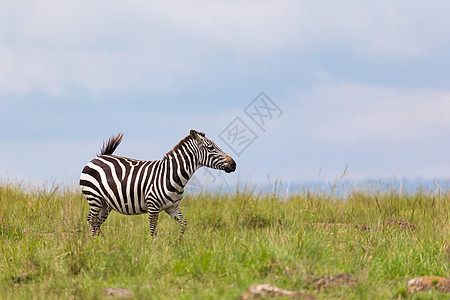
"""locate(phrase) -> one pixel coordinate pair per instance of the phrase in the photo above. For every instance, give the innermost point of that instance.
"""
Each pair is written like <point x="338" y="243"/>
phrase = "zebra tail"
<point x="111" y="145"/>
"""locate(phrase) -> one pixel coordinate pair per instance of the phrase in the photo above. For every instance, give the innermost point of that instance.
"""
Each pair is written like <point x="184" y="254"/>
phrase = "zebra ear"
<point x="195" y="135"/>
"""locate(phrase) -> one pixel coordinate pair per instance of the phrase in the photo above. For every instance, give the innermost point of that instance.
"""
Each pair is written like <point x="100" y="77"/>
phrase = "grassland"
<point x="232" y="242"/>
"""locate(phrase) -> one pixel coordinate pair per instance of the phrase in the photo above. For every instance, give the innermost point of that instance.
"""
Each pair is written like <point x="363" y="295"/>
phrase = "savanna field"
<point x="366" y="245"/>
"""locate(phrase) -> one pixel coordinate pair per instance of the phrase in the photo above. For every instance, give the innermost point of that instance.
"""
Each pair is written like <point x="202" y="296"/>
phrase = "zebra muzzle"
<point x="230" y="166"/>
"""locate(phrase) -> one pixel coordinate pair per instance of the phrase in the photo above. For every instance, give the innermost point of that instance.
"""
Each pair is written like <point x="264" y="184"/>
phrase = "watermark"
<point x="262" y="110"/>
<point x="206" y="177"/>
<point x="238" y="135"/>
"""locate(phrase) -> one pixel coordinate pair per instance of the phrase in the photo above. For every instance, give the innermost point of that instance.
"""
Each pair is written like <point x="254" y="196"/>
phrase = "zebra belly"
<point x="128" y="207"/>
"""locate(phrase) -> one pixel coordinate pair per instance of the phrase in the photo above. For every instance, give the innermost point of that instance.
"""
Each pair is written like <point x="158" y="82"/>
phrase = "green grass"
<point x="232" y="242"/>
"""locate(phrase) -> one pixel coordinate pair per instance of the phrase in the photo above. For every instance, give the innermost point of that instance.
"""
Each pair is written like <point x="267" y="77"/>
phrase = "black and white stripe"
<point x="133" y="187"/>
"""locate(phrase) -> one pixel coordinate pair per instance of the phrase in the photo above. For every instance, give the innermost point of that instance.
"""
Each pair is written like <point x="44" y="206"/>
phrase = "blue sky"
<point x="364" y="84"/>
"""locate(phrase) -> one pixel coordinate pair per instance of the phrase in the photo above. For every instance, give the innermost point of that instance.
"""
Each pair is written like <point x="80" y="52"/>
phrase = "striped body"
<point x="133" y="187"/>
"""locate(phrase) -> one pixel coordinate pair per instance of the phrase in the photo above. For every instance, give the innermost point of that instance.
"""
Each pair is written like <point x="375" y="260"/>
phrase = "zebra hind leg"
<point x="153" y="218"/>
<point x="175" y="213"/>
<point x="92" y="219"/>
<point x="104" y="213"/>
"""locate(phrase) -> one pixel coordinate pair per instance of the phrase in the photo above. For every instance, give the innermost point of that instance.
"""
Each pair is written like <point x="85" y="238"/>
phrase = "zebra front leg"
<point x="153" y="213"/>
<point x="175" y="213"/>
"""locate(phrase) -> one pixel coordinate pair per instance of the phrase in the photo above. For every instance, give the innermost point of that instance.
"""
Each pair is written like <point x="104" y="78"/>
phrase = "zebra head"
<point x="210" y="155"/>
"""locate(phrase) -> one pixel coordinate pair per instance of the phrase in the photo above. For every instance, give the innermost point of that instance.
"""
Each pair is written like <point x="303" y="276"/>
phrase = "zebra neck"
<point x="182" y="167"/>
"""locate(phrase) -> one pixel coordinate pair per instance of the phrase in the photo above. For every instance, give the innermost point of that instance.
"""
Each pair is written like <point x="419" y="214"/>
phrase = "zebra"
<point x="132" y="187"/>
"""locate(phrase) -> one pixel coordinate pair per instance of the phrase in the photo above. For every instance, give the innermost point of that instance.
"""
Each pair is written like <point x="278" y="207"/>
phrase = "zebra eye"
<point x="210" y="147"/>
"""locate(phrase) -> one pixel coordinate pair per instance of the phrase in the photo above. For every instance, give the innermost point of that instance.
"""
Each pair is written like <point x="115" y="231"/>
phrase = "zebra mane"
<point x="111" y="145"/>
<point x="180" y="144"/>
<point x="177" y="146"/>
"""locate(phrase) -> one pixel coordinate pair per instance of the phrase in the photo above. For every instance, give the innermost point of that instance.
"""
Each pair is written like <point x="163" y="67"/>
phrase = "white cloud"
<point x="103" y="47"/>
<point x="354" y="113"/>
